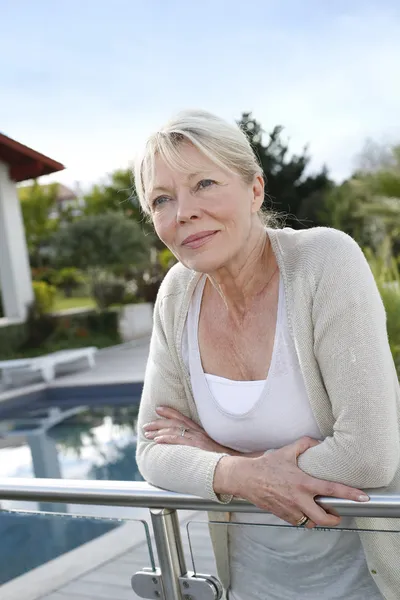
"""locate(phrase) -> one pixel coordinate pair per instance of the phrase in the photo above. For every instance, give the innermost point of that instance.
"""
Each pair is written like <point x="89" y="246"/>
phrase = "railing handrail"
<point x="141" y="494"/>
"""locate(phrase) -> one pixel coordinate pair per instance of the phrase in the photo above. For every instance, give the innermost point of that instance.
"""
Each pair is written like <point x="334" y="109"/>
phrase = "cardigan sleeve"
<point x="177" y="468"/>
<point x="352" y="350"/>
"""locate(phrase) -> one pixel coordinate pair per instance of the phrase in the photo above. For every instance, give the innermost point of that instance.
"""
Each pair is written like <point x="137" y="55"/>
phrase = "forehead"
<point x="186" y="161"/>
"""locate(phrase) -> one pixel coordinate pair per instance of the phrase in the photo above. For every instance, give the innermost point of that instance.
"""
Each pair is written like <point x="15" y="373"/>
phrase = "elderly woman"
<point x="270" y="375"/>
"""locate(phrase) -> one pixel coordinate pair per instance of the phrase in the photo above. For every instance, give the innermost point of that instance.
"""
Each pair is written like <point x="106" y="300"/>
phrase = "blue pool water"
<point x="76" y="442"/>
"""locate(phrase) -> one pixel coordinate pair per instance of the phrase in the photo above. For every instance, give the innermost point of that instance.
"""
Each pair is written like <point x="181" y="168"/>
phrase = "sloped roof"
<point x="24" y="162"/>
<point x="63" y="192"/>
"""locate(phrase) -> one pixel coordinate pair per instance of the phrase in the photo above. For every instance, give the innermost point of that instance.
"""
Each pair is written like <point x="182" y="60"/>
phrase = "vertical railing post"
<point x="171" y="559"/>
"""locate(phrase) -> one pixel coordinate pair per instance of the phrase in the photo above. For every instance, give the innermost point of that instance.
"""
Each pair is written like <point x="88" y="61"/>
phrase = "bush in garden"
<point x="45" y="274"/>
<point x="45" y="296"/>
<point x="390" y="293"/>
<point x="149" y="278"/>
<point x="68" y="279"/>
<point x="387" y="276"/>
<point x="107" y="292"/>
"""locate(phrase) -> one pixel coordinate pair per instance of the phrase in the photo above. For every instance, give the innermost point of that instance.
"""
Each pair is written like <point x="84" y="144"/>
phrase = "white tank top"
<point x="270" y="562"/>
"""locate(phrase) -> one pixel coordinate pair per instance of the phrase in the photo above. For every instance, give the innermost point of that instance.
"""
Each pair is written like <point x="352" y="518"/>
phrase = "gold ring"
<point x="302" y="522"/>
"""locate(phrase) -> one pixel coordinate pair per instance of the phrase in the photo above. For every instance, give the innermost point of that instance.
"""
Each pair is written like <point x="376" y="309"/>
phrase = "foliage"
<point x="383" y="264"/>
<point x="390" y="294"/>
<point x="45" y="296"/>
<point x="114" y="195"/>
<point x="100" y="242"/>
<point x="118" y="195"/>
<point x="43" y="334"/>
<point x="37" y="203"/>
<point x="39" y="327"/>
<point x="345" y="208"/>
<point x="289" y="189"/>
<point x="380" y="183"/>
<point x="108" y="291"/>
<point x="68" y="279"/>
<point x="45" y="274"/>
<point x="387" y="276"/>
<point x="12" y="337"/>
<point x="148" y="280"/>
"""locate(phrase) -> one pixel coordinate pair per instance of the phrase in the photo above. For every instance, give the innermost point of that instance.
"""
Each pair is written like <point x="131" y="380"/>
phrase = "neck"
<point x="246" y="277"/>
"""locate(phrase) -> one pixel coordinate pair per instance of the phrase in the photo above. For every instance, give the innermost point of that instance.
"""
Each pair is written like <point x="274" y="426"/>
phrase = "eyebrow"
<point x="191" y="176"/>
<point x="159" y="189"/>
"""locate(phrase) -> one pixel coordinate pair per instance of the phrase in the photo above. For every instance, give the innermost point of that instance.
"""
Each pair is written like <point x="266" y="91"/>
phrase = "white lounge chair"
<point x="45" y="364"/>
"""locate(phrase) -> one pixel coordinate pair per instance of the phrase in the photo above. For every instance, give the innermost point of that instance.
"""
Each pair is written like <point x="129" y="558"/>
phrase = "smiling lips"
<point x="198" y="239"/>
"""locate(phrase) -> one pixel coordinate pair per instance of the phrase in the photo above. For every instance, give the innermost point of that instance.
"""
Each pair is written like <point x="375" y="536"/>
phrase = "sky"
<point x="86" y="81"/>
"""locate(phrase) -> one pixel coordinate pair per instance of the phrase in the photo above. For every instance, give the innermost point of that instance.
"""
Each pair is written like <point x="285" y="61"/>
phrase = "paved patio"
<point x="111" y="580"/>
<point x="119" y="364"/>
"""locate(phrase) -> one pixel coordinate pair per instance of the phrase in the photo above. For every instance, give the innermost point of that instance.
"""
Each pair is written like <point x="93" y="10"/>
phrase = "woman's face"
<point x="207" y="216"/>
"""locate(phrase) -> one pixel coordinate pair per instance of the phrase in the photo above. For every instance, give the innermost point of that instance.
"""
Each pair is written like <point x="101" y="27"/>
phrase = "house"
<point x="17" y="163"/>
<point x="66" y="198"/>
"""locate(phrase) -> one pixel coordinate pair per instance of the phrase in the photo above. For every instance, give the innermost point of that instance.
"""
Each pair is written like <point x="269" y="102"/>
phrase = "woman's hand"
<point x="169" y="428"/>
<point x="275" y="483"/>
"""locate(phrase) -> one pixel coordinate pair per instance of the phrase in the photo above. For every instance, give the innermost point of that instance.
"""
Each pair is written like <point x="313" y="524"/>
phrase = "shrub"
<point x="12" y="337"/>
<point x="42" y="334"/>
<point x="68" y="279"/>
<point x="390" y="293"/>
<point x="45" y="295"/>
<point x="45" y="274"/>
<point x="39" y="326"/>
<point x="148" y="279"/>
<point x="107" y="292"/>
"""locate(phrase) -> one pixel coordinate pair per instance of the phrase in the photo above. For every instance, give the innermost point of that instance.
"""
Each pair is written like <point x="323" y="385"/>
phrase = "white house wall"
<point x="15" y="275"/>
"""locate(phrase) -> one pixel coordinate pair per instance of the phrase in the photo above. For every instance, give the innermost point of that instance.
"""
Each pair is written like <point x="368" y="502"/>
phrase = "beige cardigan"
<point x="338" y="324"/>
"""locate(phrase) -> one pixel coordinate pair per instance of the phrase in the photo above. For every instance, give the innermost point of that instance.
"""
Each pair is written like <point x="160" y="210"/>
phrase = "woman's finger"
<point x="178" y="440"/>
<point x="336" y="490"/>
<point x="285" y="512"/>
<point x="161" y="424"/>
<point x="317" y="514"/>
<point x="176" y="431"/>
<point x="171" y="413"/>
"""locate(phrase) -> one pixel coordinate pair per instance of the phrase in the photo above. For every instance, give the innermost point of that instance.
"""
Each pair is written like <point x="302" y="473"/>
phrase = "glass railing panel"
<point x="285" y="558"/>
<point x="50" y="556"/>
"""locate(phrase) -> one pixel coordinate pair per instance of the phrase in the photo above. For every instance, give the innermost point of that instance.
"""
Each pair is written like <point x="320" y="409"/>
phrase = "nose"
<point x="187" y="209"/>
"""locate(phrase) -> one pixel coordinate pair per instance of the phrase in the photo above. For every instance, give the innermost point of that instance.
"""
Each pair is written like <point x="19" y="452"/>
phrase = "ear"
<point x="258" y="193"/>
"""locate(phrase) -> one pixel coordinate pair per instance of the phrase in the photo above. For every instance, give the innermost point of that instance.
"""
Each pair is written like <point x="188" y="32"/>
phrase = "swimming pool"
<point x="71" y="440"/>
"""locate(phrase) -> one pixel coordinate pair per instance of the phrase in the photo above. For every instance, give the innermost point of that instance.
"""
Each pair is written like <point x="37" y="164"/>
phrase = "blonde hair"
<point x="225" y="144"/>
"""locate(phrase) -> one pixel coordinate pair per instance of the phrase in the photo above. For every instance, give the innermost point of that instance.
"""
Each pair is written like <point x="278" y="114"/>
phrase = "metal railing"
<point x="171" y="581"/>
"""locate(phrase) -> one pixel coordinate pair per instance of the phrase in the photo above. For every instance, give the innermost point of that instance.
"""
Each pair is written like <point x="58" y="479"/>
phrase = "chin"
<point x="202" y="264"/>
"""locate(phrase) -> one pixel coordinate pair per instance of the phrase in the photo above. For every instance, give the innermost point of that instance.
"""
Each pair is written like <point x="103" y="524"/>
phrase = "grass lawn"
<point x="62" y="303"/>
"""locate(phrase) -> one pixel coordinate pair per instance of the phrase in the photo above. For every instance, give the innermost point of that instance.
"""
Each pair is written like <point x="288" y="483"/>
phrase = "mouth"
<point x="198" y="239"/>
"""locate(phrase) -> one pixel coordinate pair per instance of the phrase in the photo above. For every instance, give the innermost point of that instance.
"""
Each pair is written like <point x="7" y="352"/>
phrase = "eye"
<point x="157" y="202"/>
<point x="205" y="183"/>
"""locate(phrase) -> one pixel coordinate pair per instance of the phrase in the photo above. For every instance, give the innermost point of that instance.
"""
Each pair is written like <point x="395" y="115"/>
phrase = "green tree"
<point x="345" y="207"/>
<point x="37" y="203"/>
<point x="100" y="241"/>
<point x="98" y="244"/>
<point x="289" y="190"/>
<point x="114" y="195"/>
<point x="380" y="184"/>
<point x="117" y="195"/>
